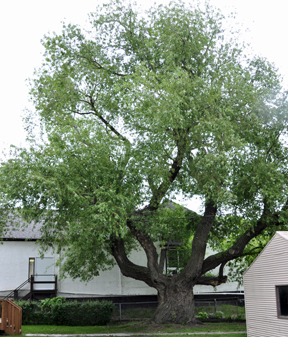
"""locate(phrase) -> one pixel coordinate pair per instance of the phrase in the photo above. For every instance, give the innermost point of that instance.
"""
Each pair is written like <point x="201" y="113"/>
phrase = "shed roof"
<point x="283" y="234"/>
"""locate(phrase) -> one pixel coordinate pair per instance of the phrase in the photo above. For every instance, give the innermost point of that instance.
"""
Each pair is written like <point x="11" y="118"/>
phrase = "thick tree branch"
<point x="194" y="266"/>
<point x="150" y="250"/>
<point x="212" y="281"/>
<point x="160" y="192"/>
<point x="127" y="267"/>
<point x="237" y="249"/>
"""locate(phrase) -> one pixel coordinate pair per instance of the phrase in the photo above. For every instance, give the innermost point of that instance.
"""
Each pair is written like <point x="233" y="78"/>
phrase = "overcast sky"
<point x="24" y="23"/>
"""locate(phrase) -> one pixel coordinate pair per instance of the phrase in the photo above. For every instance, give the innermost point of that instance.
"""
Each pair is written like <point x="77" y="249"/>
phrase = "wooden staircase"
<point x="11" y="317"/>
<point x="35" y="293"/>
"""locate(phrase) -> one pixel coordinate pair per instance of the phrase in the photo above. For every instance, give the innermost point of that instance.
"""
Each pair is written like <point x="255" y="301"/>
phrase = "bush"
<point x="29" y="312"/>
<point x="48" y="303"/>
<point x="57" y="311"/>
<point x="241" y="316"/>
<point x="219" y="314"/>
<point x="85" y="313"/>
<point x="202" y="315"/>
<point x="47" y="306"/>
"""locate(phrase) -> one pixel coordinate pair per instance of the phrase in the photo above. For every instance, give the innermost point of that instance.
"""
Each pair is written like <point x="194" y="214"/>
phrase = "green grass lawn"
<point x="229" y="311"/>
<point x="135" y="327"/>
<point x="145" y="326"/>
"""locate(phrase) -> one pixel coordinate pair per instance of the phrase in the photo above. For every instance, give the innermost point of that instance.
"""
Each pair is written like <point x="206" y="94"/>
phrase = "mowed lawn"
<point x="137" y="328"/>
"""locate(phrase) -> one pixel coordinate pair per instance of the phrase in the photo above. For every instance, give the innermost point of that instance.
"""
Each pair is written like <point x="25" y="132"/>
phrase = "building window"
<point x="282" y="301"/>
<point x="174" y="261"/>
<point x="31" y="267"/>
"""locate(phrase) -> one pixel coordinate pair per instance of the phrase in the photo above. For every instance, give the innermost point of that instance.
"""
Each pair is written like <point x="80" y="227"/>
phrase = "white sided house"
<point x="266" y="290"/>
<point x="25" y="273"/>
<point x="21" y="259"/>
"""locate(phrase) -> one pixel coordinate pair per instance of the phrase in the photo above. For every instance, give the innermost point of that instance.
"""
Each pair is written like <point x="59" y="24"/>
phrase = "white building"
<point x="20" y="259"/>
<point x="266" y="290"/>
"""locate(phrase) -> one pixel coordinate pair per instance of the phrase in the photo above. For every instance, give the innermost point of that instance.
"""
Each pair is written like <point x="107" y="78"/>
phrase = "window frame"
<point x="31" y="261"/>
<point x="177" y="250"/>
<point x="277" y="288"/>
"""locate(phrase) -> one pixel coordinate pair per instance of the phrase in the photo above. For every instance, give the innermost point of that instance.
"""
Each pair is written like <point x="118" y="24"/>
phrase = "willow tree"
<point x="139" y="108"/>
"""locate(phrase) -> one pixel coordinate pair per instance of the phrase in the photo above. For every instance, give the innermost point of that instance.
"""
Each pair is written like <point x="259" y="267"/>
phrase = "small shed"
<point x="266" y="290"/>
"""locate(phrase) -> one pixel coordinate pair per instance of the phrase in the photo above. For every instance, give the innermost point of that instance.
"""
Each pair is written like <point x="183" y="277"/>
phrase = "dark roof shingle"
<point x="17" y="229"/>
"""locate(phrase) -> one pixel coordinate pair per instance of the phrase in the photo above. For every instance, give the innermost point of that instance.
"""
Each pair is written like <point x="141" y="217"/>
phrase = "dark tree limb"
<point x="237" y="249"/>
<point x="160" y="192"/>
<point x="127" y="267"/>
<point x="212" y="281"/>
<point x="194" y="266"/>
<point x="150" y="250"/>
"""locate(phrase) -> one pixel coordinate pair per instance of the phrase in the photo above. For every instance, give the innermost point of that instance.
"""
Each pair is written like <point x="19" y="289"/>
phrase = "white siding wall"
<point x="267" y="271"/>
<point x="15" y="263"/>
<point x="107" y="283"/>
<point x="110" y="282"/>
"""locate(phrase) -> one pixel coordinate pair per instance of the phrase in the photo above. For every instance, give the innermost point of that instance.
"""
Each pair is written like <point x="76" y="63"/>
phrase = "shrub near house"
<point x="57" y="311"/>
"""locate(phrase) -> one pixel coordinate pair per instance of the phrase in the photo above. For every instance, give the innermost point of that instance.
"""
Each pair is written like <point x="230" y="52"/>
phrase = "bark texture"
<point x="176" y="304"/>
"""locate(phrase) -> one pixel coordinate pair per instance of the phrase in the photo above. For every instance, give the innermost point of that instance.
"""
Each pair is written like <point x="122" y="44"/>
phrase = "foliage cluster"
<point x="227" y="311"/>
<point x="219" y="314"/>
<point x="59" y="312"/>
<point x="48" y="303"/>
<point x="202" y="315"/>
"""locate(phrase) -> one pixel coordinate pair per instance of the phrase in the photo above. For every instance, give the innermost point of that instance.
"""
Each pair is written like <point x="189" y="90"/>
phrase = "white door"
<point x="44" y="271"/>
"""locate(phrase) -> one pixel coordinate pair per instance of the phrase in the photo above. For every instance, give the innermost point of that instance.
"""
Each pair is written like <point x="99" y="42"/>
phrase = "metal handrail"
<point x="13" y="291"/>
<point x="11" y="294"/>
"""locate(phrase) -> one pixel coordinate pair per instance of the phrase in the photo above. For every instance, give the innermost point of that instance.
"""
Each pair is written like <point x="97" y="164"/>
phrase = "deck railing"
<point x="49" y="287"/>
<point x="11" y="317"/>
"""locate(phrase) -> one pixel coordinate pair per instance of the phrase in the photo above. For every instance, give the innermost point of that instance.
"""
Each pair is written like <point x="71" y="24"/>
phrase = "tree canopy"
<point x="140" y="108"/>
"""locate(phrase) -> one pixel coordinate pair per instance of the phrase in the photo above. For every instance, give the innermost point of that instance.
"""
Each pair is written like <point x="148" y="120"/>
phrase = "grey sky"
<point x="23" y="24"/>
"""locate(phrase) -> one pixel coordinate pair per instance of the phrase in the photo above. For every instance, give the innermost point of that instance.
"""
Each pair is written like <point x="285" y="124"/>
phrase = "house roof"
<point x="16" y="230"/>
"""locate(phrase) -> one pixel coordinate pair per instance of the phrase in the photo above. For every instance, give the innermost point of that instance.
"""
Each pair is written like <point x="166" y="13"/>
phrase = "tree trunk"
<point x="176" y="304"/>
